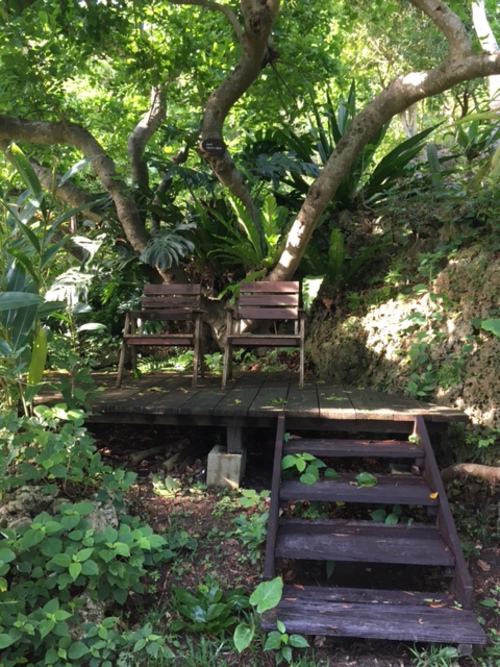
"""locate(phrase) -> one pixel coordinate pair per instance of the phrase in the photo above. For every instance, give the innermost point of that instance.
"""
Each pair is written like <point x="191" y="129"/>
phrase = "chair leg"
<point x="227" y="370"/>
<point x="196" y="361"/>
<point x="133" y="355"/>
<point x="121" y="365"/>
<point x="301" y="362"/>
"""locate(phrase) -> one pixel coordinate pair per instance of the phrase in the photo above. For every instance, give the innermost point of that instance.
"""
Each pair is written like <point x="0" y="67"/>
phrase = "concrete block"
<point x="225" y="469"/>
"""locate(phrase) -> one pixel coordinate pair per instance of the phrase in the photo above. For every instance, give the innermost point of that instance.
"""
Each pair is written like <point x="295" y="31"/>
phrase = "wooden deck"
<point x="256" y="399"/>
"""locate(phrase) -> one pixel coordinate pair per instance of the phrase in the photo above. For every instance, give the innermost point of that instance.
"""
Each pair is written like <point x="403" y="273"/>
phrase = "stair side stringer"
<point x="274" y="507"/>
<point x="461" y="584"/>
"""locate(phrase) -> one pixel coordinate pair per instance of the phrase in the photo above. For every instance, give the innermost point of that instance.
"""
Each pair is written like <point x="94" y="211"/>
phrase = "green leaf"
<point x="336" y="258"/>
<point x="378" y="515"/>
<point x="288" y="461"/>
<point x="45" y="627"/>
<point x="267" y="595"/>
<point x="62" y="560"/>
<point x="366" y="479"/>
<point x="51" y="657"/>
<point x="16" y="300"/>
<point x="51" y="607"/>
<point x="309" y="478"/>
<point x="76" y="169"/>
<point x="492" y="325"/>
<point x="273" y="641"/>
<point x="7" y="555"/>
<point x="330" y="473"/>
<point x="243" y="635"/>
<point x="84" y="554"/>
<point x="298" y="641"/>
<point x="90" y="568"/>
<point x="122" y="549"/>
<point x="120" y="595"/>
<point x="77" y="650"/>
<point x="281" y="626"/>
<point x="6" y="640"/>
<point x="75" y="570"/>
<point x="489" y="602"/>
<point x="31" y="538"/>
<point x="38" y="356"/>
<point x="25" y="170"/>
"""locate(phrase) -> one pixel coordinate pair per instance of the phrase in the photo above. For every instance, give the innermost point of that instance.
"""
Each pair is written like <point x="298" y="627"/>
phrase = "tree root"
<point x="488" y="474"/>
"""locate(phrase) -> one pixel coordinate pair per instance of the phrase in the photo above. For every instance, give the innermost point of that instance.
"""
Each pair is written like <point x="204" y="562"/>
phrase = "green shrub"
<point x="55" y="565"/>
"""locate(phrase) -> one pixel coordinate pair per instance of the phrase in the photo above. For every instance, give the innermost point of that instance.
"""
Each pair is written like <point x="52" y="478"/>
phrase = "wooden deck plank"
<point x="334" y="402"/>
<point x="390" y="489"/>
<point x="368" y="404"/>
<point x="135" y="398"/>
<point x="362" y="541"/>
<point x="188" y="401"/>
<point x="239" y="397"/>
<point x="272" y="398"/>
<point x="406" y="407"/>
<point x="374" y="615"/>
<point x="303" y="402"/>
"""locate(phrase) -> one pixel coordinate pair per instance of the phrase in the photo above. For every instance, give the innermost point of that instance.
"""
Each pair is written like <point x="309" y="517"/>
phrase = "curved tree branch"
<point x="42" y="132"/>
<point x="141" y="134"/>
<point x="460" y="65"/>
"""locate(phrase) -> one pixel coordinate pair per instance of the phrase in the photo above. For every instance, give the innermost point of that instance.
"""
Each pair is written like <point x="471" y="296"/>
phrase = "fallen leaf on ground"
<point x="485" y="567"/>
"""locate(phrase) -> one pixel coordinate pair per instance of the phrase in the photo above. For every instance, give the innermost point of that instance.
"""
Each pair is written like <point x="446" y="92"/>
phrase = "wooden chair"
<point x="163" y="305"/>
<point x="274" y="302"/>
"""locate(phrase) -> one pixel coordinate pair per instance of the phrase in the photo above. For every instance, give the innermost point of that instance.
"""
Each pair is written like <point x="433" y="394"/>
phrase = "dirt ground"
<point x="208" y="516"/>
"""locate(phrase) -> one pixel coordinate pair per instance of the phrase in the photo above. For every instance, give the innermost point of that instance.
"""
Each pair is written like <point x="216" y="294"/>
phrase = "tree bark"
<point x="489" y="44"/>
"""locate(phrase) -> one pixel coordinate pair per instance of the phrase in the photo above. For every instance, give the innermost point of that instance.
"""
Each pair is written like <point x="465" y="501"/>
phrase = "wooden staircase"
<point x="424" y="545"/>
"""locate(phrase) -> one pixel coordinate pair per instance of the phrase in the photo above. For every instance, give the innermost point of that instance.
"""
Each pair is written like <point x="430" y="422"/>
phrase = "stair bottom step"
<point x="372" y="614"/>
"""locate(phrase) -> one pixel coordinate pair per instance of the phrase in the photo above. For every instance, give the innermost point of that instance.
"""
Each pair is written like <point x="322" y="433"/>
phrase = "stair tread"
<point x="394" y="615"/>
<point x="361" y="541"/>
<point x="340" y="447"/>
<point x="390" y="489"/>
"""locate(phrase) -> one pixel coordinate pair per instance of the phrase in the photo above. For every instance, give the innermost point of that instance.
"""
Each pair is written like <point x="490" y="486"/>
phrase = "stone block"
<point x="225" y="469"/>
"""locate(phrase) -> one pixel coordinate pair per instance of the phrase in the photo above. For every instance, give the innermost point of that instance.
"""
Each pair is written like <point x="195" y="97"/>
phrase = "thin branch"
<point x="223" y="9"/>
<point x="165" y="183"/>
<point x="141" y="134"/>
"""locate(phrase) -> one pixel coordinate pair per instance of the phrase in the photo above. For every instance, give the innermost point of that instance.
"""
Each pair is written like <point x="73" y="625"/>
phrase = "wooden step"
<point x="389" y="490"/>
<point x="393" y="615"/>
<point x="361" y="541"/>
<point x="325" y="448"/>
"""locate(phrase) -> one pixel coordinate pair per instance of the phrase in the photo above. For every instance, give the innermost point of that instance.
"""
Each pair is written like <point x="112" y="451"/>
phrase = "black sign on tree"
<point x="213" y="146"/>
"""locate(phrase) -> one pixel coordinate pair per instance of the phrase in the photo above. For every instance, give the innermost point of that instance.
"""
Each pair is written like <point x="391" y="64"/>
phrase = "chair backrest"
<point x="269" y="301"/>
<point x="177" y="302"/>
